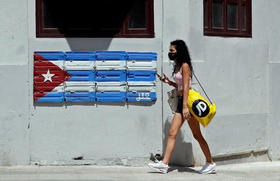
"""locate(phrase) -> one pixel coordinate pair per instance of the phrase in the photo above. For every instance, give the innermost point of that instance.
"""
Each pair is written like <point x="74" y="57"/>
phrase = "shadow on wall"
<point x="89" y="44"/>
<point x="182" y="154"/>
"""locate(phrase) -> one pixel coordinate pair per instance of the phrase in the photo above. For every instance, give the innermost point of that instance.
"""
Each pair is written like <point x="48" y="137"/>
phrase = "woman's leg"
<point x="194" y="125"/>
<point x="176" y="124"/>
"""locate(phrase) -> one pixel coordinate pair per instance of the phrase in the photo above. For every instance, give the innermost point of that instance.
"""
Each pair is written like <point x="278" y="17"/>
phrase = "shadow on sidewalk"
<point x="179" y="169"/>
<point x="182" y="169"/>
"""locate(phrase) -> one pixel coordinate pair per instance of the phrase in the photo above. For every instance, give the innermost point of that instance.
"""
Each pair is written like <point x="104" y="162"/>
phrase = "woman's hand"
<point x="165" y="79"/>
<point x="186" y="113"/>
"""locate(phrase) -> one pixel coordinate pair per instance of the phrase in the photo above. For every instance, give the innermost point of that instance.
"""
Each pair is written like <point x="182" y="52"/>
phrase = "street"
<point x="233" y="172"/>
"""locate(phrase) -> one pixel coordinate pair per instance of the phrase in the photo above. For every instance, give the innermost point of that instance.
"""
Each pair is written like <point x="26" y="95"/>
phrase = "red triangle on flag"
<point x="47" y="76"/>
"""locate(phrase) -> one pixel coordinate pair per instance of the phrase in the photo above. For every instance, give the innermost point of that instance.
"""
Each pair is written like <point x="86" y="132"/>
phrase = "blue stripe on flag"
<point x="89" y="56"/>
<point x="111" y="96"/>
<point x="111" y="55"/>
<point x="82" y="75"/>
<point x="52" y="55"/>
<point x="80" y="96"/>
<point x="141" y="56"/>
<point x="110" y="76"/>
<point x="52" y="97"/>
<point x="141" y="75"/>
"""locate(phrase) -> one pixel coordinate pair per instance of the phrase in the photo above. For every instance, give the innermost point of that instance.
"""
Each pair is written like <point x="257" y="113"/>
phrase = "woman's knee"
<point x="197" y="136"/>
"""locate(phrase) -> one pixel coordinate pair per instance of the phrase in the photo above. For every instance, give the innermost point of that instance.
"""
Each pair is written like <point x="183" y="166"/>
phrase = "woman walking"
<point x="182" y="74"/>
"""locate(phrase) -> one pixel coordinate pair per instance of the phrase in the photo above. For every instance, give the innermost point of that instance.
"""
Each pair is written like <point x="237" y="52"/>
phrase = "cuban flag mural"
<point x="49" y="77"/>
<point x="94" y="76"/>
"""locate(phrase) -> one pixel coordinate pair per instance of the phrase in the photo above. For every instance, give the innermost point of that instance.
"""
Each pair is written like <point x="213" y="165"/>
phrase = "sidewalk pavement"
<point x="259" y="171"/>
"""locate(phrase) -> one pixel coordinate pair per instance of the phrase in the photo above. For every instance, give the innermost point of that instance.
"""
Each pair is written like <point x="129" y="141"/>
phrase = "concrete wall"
<point x="239" y="74"/>
<point x="274" y="69"/>
<point x="14" y="112"/>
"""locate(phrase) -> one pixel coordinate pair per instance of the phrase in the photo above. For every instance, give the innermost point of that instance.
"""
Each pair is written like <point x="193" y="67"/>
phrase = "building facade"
<point x="240" y="74"/>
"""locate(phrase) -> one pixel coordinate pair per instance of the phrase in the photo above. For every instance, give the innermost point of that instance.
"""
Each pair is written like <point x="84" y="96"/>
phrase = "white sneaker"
<point x="159" y="167"/>
<point x="208" y="168"/>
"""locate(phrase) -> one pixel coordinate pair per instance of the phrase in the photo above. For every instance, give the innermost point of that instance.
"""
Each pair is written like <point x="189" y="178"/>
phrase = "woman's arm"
<point x="172" y="83"/>
<point x="186" y="85"/>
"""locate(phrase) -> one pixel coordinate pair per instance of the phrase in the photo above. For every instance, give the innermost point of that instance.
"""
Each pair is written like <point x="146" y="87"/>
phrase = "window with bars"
<point x="228" y="18"/>
<point x="89" y="18"/>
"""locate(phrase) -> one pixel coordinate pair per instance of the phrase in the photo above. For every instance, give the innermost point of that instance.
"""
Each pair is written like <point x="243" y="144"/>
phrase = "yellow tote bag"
<point x="200" y="108"/>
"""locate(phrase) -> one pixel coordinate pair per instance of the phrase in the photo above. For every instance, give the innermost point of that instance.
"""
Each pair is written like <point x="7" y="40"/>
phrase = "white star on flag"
<point x="48" y="76"/>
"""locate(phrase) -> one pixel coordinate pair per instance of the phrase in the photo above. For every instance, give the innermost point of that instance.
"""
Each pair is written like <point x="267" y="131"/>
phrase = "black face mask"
<point x="172" y="56"/>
